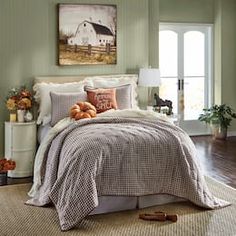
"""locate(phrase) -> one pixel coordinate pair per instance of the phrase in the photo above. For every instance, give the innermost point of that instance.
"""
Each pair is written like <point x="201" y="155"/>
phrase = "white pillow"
<point x="114" y="81"/>
<point x="42" y="96"/>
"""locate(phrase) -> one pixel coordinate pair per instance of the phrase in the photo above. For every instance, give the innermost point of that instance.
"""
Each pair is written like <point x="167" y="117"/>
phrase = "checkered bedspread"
<point x="119" y="156"/>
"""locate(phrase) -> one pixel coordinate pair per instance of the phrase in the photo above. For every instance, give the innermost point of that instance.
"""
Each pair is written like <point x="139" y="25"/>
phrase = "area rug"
<point x="19" y="219"/>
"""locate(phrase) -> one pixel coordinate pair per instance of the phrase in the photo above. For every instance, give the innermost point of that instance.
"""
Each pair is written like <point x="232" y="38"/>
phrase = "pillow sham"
<point x="42" y="96"/>
<point x="61" y="103"/>
<point x="123" y="96"/>
<point x="102" y="99"/>
<point x="111" y="81"/>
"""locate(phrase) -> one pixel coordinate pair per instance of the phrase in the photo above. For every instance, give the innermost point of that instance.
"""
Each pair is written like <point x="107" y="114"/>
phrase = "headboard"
<point x="68" y="79"/>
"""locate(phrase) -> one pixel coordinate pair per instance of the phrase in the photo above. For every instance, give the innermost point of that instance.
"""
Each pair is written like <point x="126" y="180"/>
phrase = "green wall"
<point x="28" y="43"/>
<point x="195" y="11"/>
<point x="218" y="52"/>
<point x="228" y="59"/>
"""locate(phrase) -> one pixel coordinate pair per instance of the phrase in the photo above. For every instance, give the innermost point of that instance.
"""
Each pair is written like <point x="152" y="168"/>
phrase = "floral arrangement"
<point x="19" y="99"/>
<point x="6" y="165"/>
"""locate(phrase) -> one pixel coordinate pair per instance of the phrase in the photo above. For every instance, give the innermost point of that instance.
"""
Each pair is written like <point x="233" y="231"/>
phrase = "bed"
<point x="122" y="159"/>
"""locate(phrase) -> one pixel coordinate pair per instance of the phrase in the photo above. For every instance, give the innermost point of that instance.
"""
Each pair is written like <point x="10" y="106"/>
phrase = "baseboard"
<point x="231" y="133"/>
<point x="198" y="134"/>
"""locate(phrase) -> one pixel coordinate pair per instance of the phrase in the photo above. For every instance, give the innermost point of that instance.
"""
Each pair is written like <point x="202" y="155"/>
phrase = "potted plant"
<point x="219" y="117"/>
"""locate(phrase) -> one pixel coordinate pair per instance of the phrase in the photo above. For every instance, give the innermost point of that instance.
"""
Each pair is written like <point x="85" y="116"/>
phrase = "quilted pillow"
<point x="61" y="103"/>
<point x="42" y="96"/>
<point x="102" y="99"/>
<point x="123" y="96"/>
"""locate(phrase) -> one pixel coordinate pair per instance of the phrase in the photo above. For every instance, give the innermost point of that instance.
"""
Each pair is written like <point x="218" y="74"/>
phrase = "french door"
<point x="185" y="59"/>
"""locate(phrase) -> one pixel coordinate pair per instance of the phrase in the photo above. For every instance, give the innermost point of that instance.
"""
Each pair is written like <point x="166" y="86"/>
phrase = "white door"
<point x="185" y="57"/>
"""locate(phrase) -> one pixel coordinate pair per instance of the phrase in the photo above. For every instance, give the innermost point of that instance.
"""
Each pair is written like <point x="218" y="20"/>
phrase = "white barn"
<point x="92" y="33"/>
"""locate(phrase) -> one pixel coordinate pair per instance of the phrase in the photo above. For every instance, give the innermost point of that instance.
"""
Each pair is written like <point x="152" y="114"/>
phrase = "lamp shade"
<point x="149" y="77"/>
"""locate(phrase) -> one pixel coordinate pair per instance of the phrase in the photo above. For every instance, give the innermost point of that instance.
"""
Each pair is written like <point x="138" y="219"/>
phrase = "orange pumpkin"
<point x="83" y="110"/>
<point x="6" y="165"/>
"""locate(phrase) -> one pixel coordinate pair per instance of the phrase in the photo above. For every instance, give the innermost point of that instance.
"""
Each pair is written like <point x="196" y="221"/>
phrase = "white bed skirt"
<point x="109" y="204"/>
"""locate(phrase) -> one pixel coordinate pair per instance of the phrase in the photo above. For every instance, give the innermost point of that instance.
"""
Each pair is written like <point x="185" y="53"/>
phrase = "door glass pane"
<point x="168" y="53"/>
<point x="194" y="59"/>
<point x="168" y="91"/>
<point x="193" y="97"/>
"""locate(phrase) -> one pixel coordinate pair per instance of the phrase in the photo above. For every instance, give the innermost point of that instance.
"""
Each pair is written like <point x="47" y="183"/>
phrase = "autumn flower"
<point x="19" y="98"/>
<point x="24" y="104"/>
<point x="11" y="104"/>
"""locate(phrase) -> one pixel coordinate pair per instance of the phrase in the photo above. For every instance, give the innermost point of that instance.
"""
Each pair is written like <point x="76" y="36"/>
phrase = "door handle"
<point x="180" y="84"/>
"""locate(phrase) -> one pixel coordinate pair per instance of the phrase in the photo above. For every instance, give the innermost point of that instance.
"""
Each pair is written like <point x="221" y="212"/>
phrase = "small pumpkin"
<point x="82" y="110"/>
<point x="6" y="165"/>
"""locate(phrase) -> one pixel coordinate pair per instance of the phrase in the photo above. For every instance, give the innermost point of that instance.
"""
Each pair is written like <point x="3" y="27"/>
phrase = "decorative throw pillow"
<point x="123" y="96"/>
<point x="61" y="103"/>
<point x="102" y="99"/>
<point x="42" y="96"/>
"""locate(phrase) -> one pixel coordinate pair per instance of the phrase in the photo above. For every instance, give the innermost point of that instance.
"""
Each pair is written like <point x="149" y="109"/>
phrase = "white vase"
<point x="20" y="115"/>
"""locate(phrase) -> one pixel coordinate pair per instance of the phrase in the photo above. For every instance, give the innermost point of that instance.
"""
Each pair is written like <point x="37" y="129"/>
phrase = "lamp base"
<point x="149" y="108"/>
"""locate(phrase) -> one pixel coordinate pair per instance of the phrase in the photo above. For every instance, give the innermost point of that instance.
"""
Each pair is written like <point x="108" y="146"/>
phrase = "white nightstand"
<point x="20" y="146"/>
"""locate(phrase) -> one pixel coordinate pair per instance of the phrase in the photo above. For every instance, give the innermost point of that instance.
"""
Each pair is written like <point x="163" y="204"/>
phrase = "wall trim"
<point x="231" y="133"/>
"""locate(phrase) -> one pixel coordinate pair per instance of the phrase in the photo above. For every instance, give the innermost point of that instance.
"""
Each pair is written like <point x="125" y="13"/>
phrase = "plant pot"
<point x="219" y="132"/>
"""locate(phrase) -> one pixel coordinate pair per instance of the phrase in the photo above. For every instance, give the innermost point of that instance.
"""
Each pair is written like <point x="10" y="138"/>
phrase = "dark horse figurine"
<point x="161" y="103"/>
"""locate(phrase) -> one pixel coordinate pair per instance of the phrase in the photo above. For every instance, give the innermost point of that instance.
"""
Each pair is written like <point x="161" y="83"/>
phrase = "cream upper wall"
<point x="28" y="43"/>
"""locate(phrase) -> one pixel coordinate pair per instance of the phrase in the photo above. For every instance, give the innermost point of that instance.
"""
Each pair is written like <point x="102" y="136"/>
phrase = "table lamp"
<point x="149" y="77"/>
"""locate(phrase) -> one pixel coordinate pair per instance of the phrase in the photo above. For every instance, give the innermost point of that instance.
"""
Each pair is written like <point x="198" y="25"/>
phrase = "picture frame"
<point x="87" y="34"/>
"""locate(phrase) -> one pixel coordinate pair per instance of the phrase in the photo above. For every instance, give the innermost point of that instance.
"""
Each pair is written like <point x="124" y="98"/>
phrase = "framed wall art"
<point x="87" y="34"/>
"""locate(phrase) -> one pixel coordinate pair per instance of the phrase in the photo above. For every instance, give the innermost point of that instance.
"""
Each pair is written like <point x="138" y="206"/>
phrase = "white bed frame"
<point x="109" y="204"/>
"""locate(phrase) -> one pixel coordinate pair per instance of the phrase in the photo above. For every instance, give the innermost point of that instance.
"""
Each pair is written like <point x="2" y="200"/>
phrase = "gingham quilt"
<point x="119" y="156"/>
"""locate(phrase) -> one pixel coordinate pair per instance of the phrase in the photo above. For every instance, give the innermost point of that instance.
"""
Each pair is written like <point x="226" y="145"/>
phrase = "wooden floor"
<point x="217" y="158"/>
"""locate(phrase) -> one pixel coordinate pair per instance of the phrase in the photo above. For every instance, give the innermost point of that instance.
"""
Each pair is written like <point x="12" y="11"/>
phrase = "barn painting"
<point x="87" y="34"/>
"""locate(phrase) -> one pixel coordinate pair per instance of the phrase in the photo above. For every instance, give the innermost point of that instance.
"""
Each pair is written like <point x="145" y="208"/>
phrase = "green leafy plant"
<point x="221" y="115"/>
